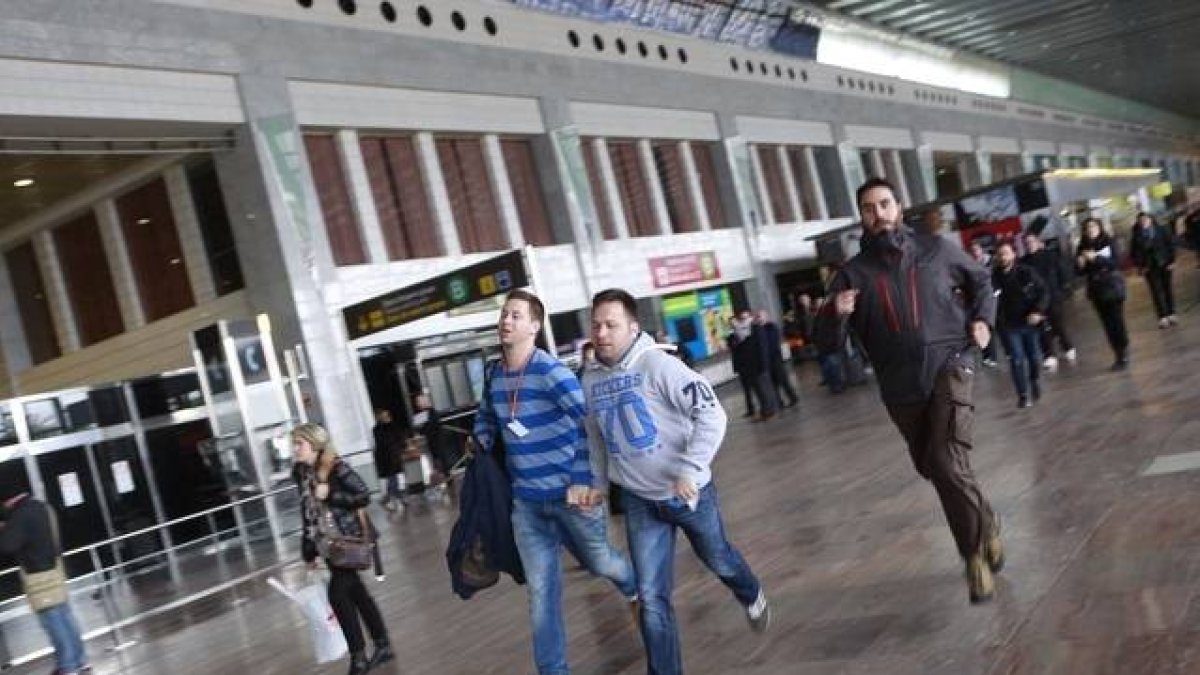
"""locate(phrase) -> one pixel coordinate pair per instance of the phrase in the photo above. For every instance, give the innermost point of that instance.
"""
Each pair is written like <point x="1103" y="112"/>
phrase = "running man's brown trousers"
<point x="939" y="436"/>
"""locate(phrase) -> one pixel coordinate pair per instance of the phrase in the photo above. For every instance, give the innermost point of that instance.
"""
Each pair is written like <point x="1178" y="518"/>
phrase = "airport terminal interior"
<point x="222" y="219"/>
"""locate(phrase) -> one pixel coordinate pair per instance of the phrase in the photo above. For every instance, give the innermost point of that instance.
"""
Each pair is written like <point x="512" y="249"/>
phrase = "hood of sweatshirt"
<point x="642" y="344"/>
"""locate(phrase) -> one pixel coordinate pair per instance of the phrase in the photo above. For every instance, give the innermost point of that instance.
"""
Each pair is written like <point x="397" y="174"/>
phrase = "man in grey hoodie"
<point x="655" y="426"/>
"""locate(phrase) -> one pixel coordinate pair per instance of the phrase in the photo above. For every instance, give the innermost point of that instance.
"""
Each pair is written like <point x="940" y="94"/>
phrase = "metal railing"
<point x="204" y="561"/>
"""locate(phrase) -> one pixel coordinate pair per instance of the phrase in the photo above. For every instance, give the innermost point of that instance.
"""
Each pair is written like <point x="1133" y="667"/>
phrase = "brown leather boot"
<point x="993" y="551"/>
<point x="979" y="580"/>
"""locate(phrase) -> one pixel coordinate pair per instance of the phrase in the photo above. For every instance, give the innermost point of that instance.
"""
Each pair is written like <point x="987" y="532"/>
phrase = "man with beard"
<point x="917" y="303"/>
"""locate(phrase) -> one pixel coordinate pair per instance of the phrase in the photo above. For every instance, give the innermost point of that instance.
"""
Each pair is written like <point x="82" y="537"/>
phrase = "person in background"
<point x="1096" y="259"/>
<point x="1022" y="299"/>
<point x="29" y="533"/>
<point x="749" y="366"/>
<point x="428" y="422"/>
<point x="1049" y="267"/>
<point x="771" y="343"/>
<point x="332" y="494"/>
<point x="1153" y="251"/>
<point x="390" y="440"/>
<point x="979" y="255"/>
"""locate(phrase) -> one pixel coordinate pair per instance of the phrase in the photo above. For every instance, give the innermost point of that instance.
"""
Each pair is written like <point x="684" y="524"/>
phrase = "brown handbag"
<point x="47" y="589"/>
<point x="345" y="551"/>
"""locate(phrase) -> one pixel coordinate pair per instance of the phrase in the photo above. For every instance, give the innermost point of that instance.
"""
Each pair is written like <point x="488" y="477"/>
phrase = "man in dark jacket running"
<point x="918" y="305"/>
<point x="1050" y="267"/>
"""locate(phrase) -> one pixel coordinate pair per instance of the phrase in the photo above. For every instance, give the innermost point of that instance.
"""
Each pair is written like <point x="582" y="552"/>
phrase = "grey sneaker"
<point x="759" y="613"/>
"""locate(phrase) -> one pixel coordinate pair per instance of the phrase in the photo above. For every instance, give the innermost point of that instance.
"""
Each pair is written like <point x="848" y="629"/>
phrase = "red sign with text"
<point x="679" y="270"/>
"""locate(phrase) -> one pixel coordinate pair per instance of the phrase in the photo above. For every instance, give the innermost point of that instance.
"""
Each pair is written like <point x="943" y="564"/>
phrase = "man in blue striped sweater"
<point x="536" y="406"/>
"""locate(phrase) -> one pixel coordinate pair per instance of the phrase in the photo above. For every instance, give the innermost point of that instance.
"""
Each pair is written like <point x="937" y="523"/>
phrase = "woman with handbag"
<point x="333" y="501"/>
<point x="1096" y="259"/>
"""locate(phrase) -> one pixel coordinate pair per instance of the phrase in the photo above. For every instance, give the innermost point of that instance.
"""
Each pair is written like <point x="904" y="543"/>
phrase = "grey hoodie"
<point x="651" y="420"/>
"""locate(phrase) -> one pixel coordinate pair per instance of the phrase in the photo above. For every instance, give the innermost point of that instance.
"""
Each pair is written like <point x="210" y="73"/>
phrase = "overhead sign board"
<point x="492" y="277"/>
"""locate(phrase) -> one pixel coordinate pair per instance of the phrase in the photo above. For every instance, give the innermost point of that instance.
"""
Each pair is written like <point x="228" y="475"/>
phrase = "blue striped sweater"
<point x="550" y="405"/>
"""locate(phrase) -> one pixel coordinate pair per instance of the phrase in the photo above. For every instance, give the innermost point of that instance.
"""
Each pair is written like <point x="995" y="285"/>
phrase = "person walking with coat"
<point x="1096" y="259"/>
<point x="29" y="533"/>
<point x="333" y="502"/>
<point x="388" y="454"/>
<point x="771" y="343"/>
<point x="1152" y="248"/>
<point x="920" y="305"/>
<point x="1050" y="267"/>
<point x="1022" y="300"/>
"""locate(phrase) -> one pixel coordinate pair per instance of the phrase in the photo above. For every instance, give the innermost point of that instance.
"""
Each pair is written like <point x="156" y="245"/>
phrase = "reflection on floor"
<point x="1103" y="572"/>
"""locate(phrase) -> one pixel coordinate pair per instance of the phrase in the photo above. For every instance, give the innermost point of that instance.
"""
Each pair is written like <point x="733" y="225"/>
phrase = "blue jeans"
<point x="651" y="528"/>
<point x="1024" y="347"/>
<point x="63" y="631"/>
<point x="541" y="529"/>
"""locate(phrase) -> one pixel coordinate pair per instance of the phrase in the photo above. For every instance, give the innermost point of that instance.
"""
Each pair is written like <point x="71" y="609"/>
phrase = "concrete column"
<point x="191" y="241"/>
<point x="658" y="199"/>
<point x="567" y="189"/>
<point x="56" y="291"/>
<point x="928" y="171"/>
<point x="612" y="193"/>
<point x="852" y="170"/>
<point x="810" y="167"/>
<point x="129" y="299"/>
<point x="497" y="169"/>
<point x="12" y="333"/>
<point x="877" y="167"/>
<point x="435" y="190"/>
<point x="760" y="186"/>
<point x="695" y="189"/>
<point x="901" y="181"/>
<point x="983" y="163"/>
<point x="789" y="183"/>
<point x="1028" y="165"/>
<point x="350" y="153"/>
<point x="285" y="255"/>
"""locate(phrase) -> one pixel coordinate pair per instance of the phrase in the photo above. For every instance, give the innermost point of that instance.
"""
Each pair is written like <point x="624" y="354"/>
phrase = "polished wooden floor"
<point x="1103" y="571"/>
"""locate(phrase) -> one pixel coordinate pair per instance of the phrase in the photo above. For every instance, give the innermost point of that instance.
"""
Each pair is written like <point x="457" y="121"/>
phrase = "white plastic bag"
<point x="328" y="641"/>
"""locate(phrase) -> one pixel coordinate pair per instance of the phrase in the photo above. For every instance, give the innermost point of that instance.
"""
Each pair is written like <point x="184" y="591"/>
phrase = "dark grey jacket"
<point x="28" y="537"/>
<point x="347" y="494"/>
<point x="918" y="295"/>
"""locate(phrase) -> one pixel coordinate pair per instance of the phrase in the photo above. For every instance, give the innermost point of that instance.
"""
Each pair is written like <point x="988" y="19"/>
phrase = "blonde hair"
<point x="318" y="438"/>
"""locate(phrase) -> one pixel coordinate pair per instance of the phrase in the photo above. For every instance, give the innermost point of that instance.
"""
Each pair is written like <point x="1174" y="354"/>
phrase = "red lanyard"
<point x="516" y="393"/>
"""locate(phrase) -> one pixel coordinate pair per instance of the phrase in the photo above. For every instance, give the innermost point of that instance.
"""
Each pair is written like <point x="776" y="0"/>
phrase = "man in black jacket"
<point x="918" y="304"/>
<point x="745" y="345"/>
<point x="1021" y="309"/>
<point x="771" y="343"/>
<point x="1049" y="265"/>
<point x="1153" y="251"/>
<point x="27" y="534"/>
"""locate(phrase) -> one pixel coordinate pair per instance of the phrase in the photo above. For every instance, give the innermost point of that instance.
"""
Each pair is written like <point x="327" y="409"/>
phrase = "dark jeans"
<point x="651" y="527"/>
<point x="1112" y="315"/>
<point x="939" y="435"/>
<point x="758" y="387"/>
<point x="1159" y="280"/>
<point x="350" y="599"/>
<point x="1054" y="327"/>
<point x="1024" y="356"/>
<point x="781" y="382"/>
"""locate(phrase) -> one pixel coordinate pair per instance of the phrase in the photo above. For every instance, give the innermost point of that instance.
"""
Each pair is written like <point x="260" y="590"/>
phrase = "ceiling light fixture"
<point x="23" y="182"/>
<point x="143" y="221"/>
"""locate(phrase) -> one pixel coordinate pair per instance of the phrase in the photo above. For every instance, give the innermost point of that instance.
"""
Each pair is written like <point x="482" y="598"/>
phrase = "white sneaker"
<point x="1164" y="322"/>
<point x="1071" y="355"/>
<point x="1173" y="320"/>
<point x="1050" y="364"/>
<point x="759" y="613"/>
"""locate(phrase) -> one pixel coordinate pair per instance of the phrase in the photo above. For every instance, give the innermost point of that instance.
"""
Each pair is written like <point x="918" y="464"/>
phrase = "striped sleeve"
<point x="485" y="416"/>
<point x="568" y="394"/>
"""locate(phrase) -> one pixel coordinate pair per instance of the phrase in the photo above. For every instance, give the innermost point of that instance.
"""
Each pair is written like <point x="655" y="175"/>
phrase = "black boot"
<point x="383" y="654"/>
<point x="358" y="663"/>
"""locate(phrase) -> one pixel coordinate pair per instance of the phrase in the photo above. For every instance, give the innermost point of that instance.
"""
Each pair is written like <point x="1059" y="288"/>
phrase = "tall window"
<point x="599" y="195"/>
<point x="772" y="177"/>
<point x="527" y="192"/>
<point x="398" y="188"/>
<point x="633" y="188"/>
<point x="215" y="227"/>
<point x="88" y="280"/>
<point x="471" y="197"/>
<point x="32" y="303"/>
<point x="706" y="168"/>
<point x="337" y="209"/>
<point x="154" y="250"/>
<point x="669" y="163"/>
